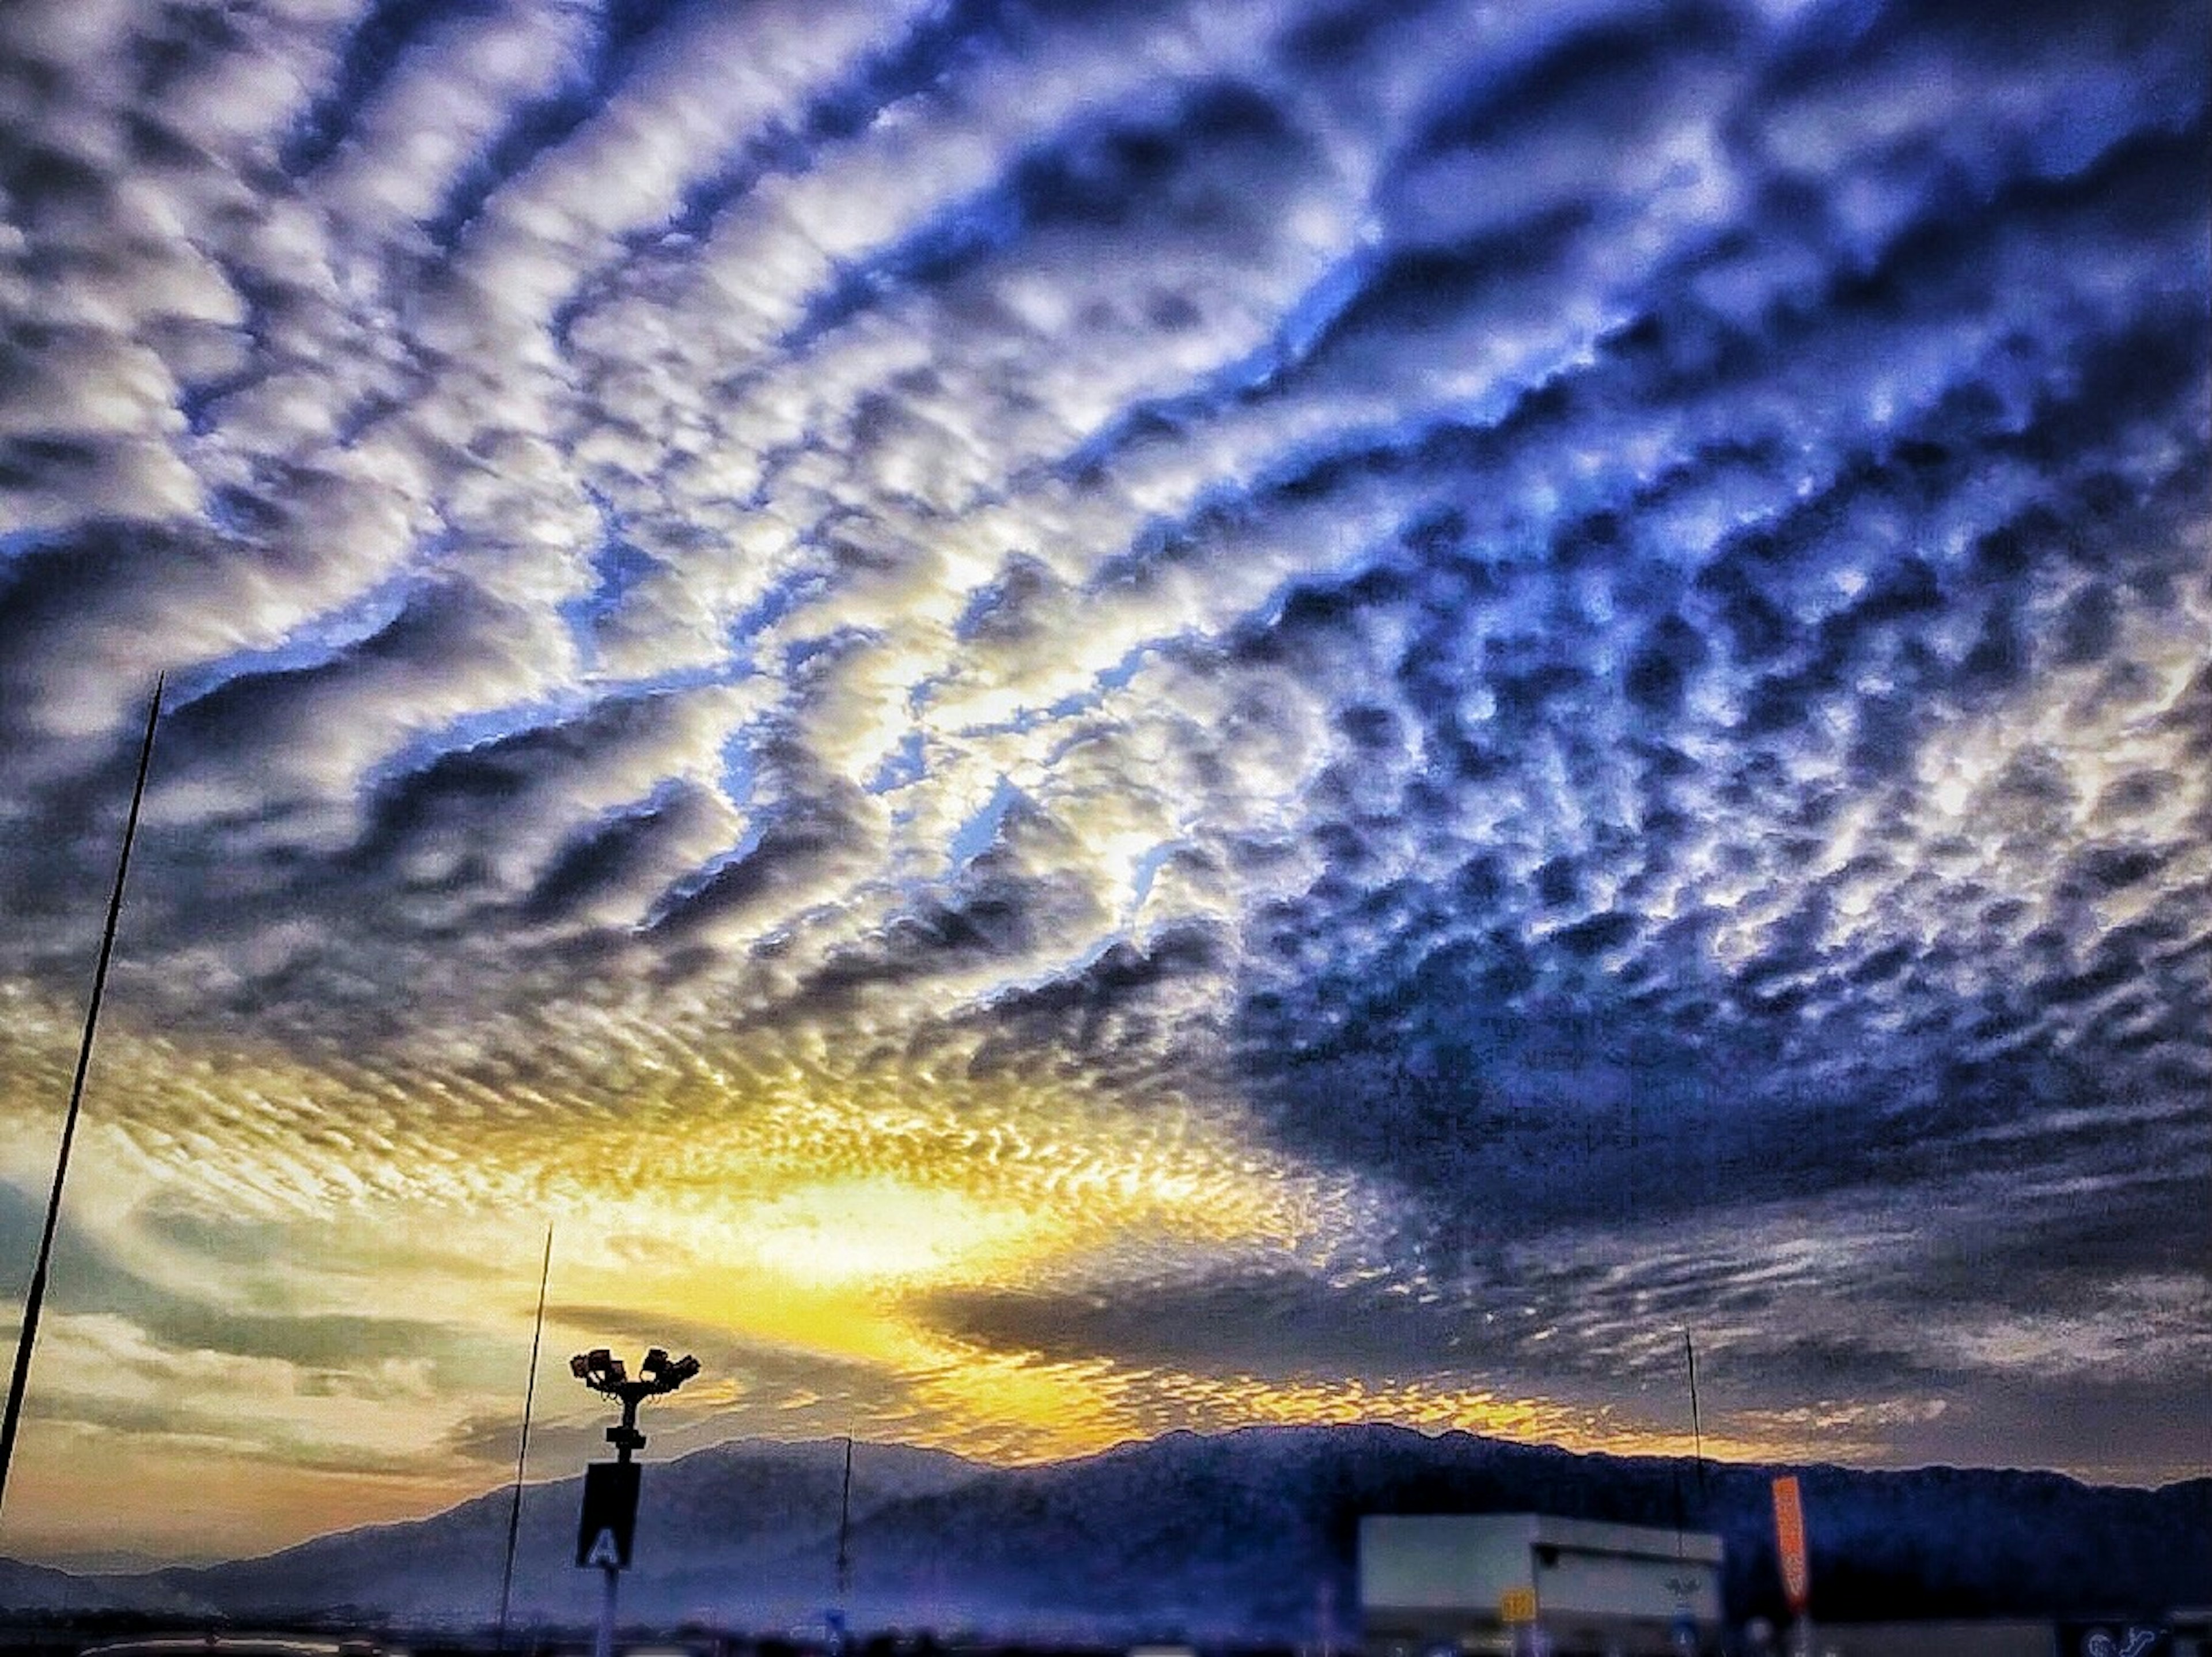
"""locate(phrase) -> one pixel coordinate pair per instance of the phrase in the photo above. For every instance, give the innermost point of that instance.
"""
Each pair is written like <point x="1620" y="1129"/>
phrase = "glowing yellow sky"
<point x="780" y="1221"/>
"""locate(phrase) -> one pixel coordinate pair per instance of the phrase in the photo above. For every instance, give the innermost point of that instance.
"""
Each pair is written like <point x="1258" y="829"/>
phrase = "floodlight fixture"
<point x="603" y="1372"/>
<point x="664" y="1374"/>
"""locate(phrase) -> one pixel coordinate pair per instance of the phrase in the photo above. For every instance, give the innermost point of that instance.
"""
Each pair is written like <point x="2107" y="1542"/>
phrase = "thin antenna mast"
<point x="844" y="1525"/>
<point x="1696" y="1427"/>
<point x="35" y="1297"/>
<point x="522" y="1450"/>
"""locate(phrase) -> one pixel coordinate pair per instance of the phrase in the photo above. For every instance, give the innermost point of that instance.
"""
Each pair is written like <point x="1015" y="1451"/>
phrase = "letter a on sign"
<point x="609" y="1516"/>
<point x="1789" y="1544"/>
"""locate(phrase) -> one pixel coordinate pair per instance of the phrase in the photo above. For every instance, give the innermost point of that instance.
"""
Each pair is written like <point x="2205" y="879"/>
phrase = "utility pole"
<point x="835" y="1620"/>
<point x="608" y="1523"/>
<point x="845" y="1525"/>
<point x="1696" y="1427"/>
<point x="1685" y="1634"/>
<point x="522" y="1449"/>
<point x="36" y="1297"/>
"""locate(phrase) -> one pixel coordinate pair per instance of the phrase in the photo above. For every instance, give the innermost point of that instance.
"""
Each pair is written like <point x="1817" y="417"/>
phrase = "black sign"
<point x="602" y="1535"/>
<point x="2116" y="1637"/>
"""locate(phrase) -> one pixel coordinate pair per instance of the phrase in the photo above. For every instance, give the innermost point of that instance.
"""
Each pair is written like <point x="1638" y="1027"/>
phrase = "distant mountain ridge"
<point x="1248" y="1534"/>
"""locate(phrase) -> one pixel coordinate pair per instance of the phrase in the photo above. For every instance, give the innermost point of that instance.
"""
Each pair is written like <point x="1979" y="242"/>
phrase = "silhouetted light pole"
<point x="608" y="1523"/>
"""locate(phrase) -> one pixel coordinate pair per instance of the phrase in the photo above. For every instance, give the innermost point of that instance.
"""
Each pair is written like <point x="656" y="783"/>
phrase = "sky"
<point x="1062" y="720"/>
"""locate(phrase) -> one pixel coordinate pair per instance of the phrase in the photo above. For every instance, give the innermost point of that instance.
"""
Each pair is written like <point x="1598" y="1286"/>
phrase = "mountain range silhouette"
<point x="1247" y="1535"/>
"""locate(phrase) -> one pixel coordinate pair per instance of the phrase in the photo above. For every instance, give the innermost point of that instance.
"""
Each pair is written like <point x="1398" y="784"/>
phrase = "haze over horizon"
<point x="1069" y="720"/>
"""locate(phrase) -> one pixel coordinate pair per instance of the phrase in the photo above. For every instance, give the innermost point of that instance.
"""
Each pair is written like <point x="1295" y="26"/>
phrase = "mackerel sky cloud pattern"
<point x="1216" y="712"/>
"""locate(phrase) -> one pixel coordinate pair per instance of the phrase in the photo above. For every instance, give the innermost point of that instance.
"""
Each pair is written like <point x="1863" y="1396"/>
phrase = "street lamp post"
<point x="608" y="1523"/>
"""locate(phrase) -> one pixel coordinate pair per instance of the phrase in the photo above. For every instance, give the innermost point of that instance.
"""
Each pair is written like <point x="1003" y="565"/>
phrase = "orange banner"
<point x="1789" y="1539"/>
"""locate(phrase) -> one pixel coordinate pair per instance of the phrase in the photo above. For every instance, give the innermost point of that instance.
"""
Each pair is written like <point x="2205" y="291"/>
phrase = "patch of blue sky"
<point x="1104" y="682"/>
<point x="791" y="593"/>
<point x="801" y="651"/>
<point x="741" y="775"/>
<point x="974" y="837"/>
<point x="983" y="603"/>
<point x="473" y="730"/>
<point x="316" y="643"/>
<point x="1026" y="720"/>
<point x="617" y="566"/>
<point x="1145" y="870"/>
<point x="740" y="782"/>
<point x="906" y="763"/>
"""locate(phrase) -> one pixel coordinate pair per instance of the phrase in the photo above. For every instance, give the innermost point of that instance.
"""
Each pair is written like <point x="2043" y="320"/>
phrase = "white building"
<point x="1527" y="1584"/>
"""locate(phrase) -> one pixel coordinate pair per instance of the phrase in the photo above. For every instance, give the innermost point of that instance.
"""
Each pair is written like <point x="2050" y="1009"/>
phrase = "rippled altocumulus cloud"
<point x="1555" y="656"/>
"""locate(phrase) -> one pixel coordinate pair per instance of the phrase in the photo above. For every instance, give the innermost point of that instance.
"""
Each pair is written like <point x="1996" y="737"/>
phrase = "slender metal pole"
<point x="1685" y="1633"/>
<point x="604" y="1645"/>
<point x="844" y="1525"/>
<point x="522" y="1450"/>
<point x="1696" y="1427"/>
<point x="34" y="1298"/>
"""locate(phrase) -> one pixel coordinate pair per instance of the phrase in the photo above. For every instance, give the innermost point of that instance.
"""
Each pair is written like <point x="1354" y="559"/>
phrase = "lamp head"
<point x="664" y="1374"/>
<point x="598" y="1369"/>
